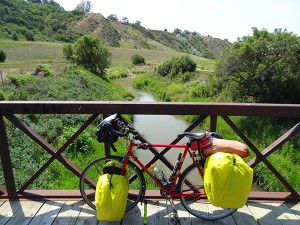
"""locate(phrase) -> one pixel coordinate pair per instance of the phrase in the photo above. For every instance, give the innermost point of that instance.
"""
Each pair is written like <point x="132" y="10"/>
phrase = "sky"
<point x="225" y="19"/>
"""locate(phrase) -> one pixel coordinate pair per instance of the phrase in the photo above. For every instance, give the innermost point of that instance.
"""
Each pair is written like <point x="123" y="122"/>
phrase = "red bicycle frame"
<point x="170" y="190"/>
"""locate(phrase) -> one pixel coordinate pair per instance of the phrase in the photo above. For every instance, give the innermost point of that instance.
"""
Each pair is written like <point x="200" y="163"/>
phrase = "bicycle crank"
<point x="175" y="220"/>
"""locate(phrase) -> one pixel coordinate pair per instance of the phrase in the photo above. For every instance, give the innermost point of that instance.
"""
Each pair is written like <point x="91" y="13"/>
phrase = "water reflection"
<point x="157" y="128"/>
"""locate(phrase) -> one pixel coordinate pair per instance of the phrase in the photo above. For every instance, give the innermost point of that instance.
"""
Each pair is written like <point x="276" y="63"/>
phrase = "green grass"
<point x="23" y="57"/>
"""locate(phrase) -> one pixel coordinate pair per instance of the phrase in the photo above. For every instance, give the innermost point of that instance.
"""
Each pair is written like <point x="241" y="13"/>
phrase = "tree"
<point x="85" y="6"/>
<point x="125" y="20"/>
<point x="29" y="36"/>
<point x="113" y="17"/>
<point x="90" y="53"/>
<point x="2" y="56"/>
<point x="177" y="31"/>
<point x="15" y="36"/>
<point x="68" y="52"/>
<point x="264" y="67"/>
<point x="137" y="23"/>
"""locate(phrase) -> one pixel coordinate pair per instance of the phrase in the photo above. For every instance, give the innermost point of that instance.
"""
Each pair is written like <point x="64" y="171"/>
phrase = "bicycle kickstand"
<point x="175" y="220"/>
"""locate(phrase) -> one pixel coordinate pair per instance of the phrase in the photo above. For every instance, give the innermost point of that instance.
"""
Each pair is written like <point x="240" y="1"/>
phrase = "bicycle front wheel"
<point x="90" y="176"/>
<point x="195" y="201"/>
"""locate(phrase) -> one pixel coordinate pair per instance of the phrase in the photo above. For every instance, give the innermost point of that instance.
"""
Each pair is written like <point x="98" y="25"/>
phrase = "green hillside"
<point x="48" y="21"/>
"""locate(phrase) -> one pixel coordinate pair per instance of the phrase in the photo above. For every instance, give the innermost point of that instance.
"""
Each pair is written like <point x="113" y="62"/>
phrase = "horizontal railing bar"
<point x="150" y="194"/>
<point x="161" y="108"/>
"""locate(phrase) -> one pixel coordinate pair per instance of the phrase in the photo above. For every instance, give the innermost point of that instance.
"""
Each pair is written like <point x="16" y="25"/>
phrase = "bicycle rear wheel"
<point x="191" y="182"/>
<point x="90" y="176"/>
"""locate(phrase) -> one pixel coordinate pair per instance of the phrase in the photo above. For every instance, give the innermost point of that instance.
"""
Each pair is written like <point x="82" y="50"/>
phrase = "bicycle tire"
<point x="93" y="170"/>
<point x="199" y="206"/>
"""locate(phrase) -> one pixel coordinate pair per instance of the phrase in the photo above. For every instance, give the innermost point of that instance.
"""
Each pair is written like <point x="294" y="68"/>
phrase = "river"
<point x="157" y="128"/>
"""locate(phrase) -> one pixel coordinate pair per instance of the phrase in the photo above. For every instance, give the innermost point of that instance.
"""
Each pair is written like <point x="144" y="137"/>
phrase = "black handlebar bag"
<point x="104" y="134"/>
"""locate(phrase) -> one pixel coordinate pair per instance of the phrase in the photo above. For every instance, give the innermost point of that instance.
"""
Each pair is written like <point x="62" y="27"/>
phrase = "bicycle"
<point x="187" y="186"/>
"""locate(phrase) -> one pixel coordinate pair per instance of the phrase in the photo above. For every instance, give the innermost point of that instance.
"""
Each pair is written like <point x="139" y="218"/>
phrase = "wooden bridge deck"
<point x="157" y="213"/>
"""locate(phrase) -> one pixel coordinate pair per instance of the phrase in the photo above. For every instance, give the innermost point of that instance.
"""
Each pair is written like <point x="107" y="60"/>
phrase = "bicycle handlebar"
<point x="113" y="127"/>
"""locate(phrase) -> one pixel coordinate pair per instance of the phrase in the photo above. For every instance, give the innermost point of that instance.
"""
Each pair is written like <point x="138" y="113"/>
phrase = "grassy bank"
<point x="23" y="57"/>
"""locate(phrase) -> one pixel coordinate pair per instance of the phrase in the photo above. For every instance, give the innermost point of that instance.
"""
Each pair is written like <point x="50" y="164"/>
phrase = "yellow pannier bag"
<point x="111" y="197"/>
<point x="227" y="180"/>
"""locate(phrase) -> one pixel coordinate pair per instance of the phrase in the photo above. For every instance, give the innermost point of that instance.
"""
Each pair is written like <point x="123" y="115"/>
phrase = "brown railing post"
<point x="213" y="123"/>
<point x="6" y="160"/>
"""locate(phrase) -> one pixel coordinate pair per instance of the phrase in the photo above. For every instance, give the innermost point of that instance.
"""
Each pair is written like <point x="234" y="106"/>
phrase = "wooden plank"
<point x="157" y="213"/>
<point x="224" y="221"/>
<point x="47" y="213"/>
<point x="110" y="223"/>
<point x="243" y="216"/>
<point x="26" y="212"/>
<point x="284" y="214"/>
<point x="295" y="208"/>
<point x="183" y="215"/>
<point x="8" y="209"/>
<point x="205" y="208"/>
<point x="87" y="216"/>
<point x="263" y="214"/>
<point x="135" y="215"/>
<point x="68" y="213"/>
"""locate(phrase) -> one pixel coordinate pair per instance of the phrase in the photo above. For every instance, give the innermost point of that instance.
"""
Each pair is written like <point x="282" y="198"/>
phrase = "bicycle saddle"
<point x="195" y="135"/>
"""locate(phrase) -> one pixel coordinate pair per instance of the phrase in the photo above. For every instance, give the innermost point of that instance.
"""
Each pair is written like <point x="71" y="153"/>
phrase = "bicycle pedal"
<point x="175" y="221"/>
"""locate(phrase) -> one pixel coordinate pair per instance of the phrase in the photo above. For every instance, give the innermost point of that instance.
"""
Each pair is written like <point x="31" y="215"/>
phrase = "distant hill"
<point x="48" y="21"/>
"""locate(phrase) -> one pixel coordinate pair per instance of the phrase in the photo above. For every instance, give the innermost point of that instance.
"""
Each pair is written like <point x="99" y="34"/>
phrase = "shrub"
<point x="2" y="95"/>
<point x="117" y="72"/>
<point x="82" y="144"/>
<point x="68" y="52"/>
<point x="2" y="56"/>
<point x="45" y="71"/>
<point x="176" y="66"/>
<point x="15" y="36"/>
<point x="137" y="59"/>
<point x="19" y="80"/>
<point x="29" y="36"/>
